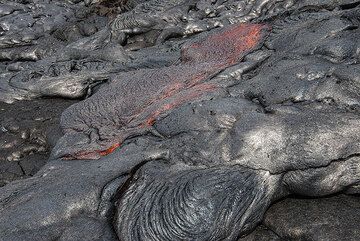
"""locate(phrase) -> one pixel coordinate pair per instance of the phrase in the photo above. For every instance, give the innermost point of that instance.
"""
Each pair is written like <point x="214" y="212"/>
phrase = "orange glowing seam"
<point x="216" y="52"/>
<point x="109" y="150"/>
<point x="196" y="92"/>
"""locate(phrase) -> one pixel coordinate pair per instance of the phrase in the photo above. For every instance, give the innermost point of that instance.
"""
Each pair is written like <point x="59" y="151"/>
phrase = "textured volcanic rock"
<point x="254" y="146"/>
<point x="24" y="147"/>
<point x="66" y="200"/>
<point x="32" y="34"/>
<point x="56" y="48"/>
<point x="224" y="201"/>
<point x="316" y="59"/>
<point x="332" y="218"/>
<point x="277" y="138"/>
<point x="78" y="75"/>
<point x="183" y="17"/>
<point x="130" y="104"/>
<point x="195" y="135"/>
<point x="261" y="233"/>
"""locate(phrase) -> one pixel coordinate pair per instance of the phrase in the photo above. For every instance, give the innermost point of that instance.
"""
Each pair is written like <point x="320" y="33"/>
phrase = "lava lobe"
<point x="130" y="104"/>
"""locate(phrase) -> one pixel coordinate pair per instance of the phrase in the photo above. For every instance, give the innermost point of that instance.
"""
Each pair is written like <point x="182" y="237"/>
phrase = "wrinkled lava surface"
<point x="174" y="120"/>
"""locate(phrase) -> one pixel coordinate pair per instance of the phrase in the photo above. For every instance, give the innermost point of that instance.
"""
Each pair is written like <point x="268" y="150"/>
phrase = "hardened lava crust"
<point x="172" y="120"/>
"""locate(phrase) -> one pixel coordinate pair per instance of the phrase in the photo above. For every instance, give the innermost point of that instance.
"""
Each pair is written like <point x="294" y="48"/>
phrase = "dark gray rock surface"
<point x="331" y="218"/>
<point x="261" y="233"/>
<point x="28" y="132"/>
<point x="202" y="114"/>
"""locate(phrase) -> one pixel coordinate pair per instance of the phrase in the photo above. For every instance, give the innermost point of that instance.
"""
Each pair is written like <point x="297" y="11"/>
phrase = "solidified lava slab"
<point x="27" y="132"/>
<point x="130" y="104"/>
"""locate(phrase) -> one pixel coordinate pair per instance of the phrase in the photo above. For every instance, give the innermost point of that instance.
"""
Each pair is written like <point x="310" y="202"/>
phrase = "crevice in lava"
<point x="21" y="168"/>
<point x="121" y="190"/>
<point x="349" y="5"/>
<point x="273" y="231"/>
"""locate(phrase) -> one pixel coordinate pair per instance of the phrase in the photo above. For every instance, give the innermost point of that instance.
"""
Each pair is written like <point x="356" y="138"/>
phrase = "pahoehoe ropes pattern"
<point x="179" y="120"/>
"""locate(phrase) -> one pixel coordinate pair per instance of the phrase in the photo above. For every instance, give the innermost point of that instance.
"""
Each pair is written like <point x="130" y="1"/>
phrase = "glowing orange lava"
<point x="186" y="81"/>
<point x="191" y="94"/>
<point x="109" y="150"/>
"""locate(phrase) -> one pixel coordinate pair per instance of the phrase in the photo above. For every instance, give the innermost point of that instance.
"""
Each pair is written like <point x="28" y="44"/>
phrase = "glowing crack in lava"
<point x="130" y="104"/>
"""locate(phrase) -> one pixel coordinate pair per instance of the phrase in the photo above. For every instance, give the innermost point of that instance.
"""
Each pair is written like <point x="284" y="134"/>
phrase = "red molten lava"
<point x="200" y="61"/>
<point x="191" y="94"/>
<point x="226" y="47"/>
<point x="141" y="97"/>
<point x="109" y="150"/>
<point x="208" y="57"/>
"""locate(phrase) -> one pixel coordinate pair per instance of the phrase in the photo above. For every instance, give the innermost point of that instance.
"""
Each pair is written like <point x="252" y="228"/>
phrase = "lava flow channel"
<point x="134" y="100"/>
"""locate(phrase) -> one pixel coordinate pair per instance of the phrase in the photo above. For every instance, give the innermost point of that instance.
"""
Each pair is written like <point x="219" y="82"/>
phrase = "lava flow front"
<point x="132" y="102"/>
